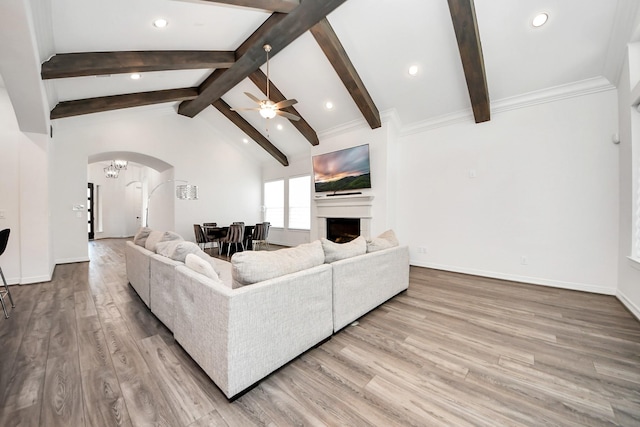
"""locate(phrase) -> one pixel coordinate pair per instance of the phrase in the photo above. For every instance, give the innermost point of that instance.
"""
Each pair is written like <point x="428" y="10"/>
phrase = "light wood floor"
<point x="454" y="350"/>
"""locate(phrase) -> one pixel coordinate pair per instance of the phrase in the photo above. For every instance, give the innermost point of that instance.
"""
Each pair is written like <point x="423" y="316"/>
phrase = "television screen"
<point x="341" y="170"/>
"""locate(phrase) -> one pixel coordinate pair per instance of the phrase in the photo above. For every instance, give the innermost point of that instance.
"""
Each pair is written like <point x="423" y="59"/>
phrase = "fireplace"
<point x="342" y="230"/>
<point x="344" y="207"/>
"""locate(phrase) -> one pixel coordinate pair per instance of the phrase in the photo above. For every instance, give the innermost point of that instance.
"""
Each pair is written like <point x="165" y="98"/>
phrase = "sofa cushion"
<point x="386" y="240"/>
<point x="156" y="237"/>
<point x="201" y="266"/>
<point x="177" y="250"/>
<point x="256" y="266"/>
<point x="337" y="251"/>
<point x="141" y="236"/>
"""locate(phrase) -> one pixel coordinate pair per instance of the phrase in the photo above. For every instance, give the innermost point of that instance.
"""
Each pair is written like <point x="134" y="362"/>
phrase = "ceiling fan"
<point x="267" y="108"/>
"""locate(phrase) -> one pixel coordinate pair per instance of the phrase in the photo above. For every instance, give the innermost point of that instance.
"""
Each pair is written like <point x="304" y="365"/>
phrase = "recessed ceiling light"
<point x="135" y="76"/>
<point x="540" y="20"/>
<point x="160" y="23"/>
<point x="245" y="140"/>
<point x="328" y="105"/>
<point x="413" y="70"/>
<point x="279" y="127"/>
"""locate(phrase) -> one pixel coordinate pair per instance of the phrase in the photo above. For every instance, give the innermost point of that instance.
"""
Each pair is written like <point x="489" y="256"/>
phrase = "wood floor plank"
<point x="145" y="402"/>
<point x="183" y="394"/>
<point x="103" y="400"/>
<point x="63" y="402"/>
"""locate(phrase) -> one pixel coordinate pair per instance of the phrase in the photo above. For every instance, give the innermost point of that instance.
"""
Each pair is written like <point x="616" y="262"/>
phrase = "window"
<point x="300" y="202"/>
<point x="274" y="203"/>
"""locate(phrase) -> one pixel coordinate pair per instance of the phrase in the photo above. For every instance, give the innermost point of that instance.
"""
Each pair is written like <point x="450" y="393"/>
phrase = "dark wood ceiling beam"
<point x="251" y="132"/>
<point x="463" y="15"/>
<point x="260" y="79"/>
<point x="335" y="53"/>
<point x="250" y="56"/>
<point x="100" y="63"/>
<point x="283" y="6"/>
<point x="116" y="102"/>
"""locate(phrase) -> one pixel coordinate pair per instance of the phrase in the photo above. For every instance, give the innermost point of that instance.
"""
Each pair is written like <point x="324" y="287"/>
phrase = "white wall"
<point x="24" y="199"/>
<point x="545" y="188"/>
<point x="629" y="122"/>
<point x="10" y="139"/>
<point x="229" y="182"/>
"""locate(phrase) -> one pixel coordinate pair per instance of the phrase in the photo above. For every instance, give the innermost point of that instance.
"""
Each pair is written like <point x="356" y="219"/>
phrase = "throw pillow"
<point x="141" y="236"/>
<point x="256" y="266"/>
<point x="177" y="250"/>
<point x="386" y="240"/>
<point x="156" y="237"/>
<point x="152" y="240"/>
<point x="337" y="251"/>
<point x="201" y="266"/>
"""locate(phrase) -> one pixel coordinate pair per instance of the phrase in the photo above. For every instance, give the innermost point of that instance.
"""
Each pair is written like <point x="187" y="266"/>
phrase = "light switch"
<point x="3" y="214"/>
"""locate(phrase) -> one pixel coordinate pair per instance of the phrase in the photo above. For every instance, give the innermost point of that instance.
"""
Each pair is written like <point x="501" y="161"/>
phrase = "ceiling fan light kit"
<point x="266" y="107"/>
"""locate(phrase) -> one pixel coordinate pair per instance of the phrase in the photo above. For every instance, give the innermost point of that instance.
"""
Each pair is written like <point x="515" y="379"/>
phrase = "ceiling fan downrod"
<point x="267" y="48"/>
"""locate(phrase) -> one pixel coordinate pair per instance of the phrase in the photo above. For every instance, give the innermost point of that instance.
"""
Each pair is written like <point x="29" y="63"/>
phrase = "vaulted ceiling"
<point x="353" y="53"/>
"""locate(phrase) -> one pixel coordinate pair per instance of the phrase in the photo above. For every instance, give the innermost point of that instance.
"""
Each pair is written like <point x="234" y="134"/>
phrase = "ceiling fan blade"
<point x="287" y="115"/>
<point x="245" y="109"/>
<point x="256" y="100"/>
<point x="286" y="103"/>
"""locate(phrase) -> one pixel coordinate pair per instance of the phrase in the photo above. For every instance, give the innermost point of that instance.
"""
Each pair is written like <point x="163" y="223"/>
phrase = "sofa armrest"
<point x="162" y="288"/>
<point x="138" y="273"/>
<point x="363" y="282"/>
<point x="239" y="336"/>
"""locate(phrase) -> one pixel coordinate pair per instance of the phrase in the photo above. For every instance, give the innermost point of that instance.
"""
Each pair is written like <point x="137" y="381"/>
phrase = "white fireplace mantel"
<point x="344" y="206"/>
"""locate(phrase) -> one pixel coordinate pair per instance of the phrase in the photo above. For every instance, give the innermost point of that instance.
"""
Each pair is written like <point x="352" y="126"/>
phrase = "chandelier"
<point x="113" y="170"/>
<point x="120" y="164"/>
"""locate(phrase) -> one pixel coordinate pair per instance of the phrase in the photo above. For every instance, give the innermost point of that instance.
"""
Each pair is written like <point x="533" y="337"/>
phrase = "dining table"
<point x="217" y="234"/>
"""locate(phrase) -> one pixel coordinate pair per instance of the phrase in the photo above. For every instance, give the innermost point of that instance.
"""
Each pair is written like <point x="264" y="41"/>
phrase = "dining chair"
<point x="201" y="238"/>
<point x="234" y="235"/>
<point x="4" y="239"/>
<point x="260" y="234"/>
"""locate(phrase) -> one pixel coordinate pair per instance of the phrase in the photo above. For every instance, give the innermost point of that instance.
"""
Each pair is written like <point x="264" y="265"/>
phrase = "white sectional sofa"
<point x="363" y="282"/>
<point x="242" y="320"/>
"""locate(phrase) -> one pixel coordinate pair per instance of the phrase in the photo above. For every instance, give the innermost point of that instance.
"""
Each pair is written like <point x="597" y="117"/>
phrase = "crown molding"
<point x="553" y="94"/>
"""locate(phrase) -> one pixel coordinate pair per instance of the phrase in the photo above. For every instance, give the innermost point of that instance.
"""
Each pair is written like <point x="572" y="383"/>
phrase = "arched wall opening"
<point x="122" y="205"/>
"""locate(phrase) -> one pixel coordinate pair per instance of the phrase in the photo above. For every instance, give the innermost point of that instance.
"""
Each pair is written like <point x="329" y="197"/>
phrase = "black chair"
<point x="4" y="238"/>
<point x="260" y="234"/>
<point x="235" y="236"/>
<point x="201" y="239"/>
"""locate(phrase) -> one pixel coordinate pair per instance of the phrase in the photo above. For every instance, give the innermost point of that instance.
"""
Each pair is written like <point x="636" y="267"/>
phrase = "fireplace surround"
<point x="351" y="206"/>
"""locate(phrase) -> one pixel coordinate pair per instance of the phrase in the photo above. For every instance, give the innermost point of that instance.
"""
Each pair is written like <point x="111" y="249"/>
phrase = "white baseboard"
<point x="634" y="309"/>
<point x="72" y="260"/>
<point x="34" y="279"/>
<point x="522" y="279"/>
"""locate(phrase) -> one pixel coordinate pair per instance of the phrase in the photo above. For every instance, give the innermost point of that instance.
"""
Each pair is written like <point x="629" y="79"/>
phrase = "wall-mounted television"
<point x="342" y="170"/>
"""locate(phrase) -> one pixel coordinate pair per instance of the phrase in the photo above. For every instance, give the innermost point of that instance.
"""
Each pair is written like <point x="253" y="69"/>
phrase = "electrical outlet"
<point x="523" y="260"/>
<point x="422" y="250"/>
<point x="472" y="173"/>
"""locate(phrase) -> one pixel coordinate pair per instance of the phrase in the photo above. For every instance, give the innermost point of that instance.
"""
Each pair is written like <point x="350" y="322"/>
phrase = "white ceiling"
<point x="582" y="40"/>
